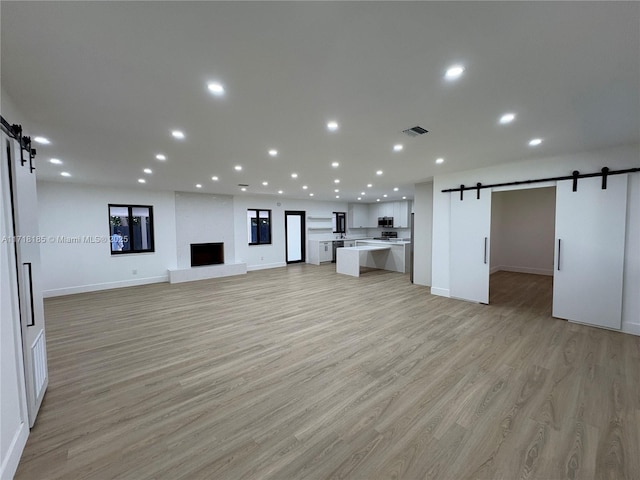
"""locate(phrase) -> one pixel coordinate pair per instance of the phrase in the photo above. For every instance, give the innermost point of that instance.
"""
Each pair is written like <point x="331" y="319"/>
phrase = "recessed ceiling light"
<point x="332" y="126"/>
<point x="369" y="185"/>
<point x="362" y="193"/>
<point x="142" y="180"/>
<point x="160" y="157"/>
<point x="379" y="172"/>
<point x="377" y="199"/>
<point x="238" y="168"/>
<point x="507" y="118"/>
<point x="454" y="72"/>
<point x="311" y="194"/>
<point x="65" y="174"/>
<point x="395" y="189"/>
<point x="439" y="160"/>
<point x="244" y="189"/>
<point x="404" y="198"/>
<point x="273" y="152"/>
<point x="177" y="134"/>
<point x="304" y="187"/>
<point x="41" y="140"/>
<point x="397" y="148"/>
<point x="148" y="171"/>
<point x="337" y="196"/>
<point x="265" y="183"/>
<point x="337" y="180"/>
<point x="385" y="195"/>
<point x="359" y="198"/>
<point x="335" y="164"/>
<point x="56" y="161"/>
<point x="214" y="178"/>
<point x="294" y="175"/>
<point x="337" y="190"/>
<point x="534" y="142"/>
<point x="215" y="88"/>
<point x="280" y="192"/>
<point x="198" y="185"/>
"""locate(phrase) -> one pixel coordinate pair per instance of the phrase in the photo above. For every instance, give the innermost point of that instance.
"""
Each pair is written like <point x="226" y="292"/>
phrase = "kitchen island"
<point x="382" y="254"/>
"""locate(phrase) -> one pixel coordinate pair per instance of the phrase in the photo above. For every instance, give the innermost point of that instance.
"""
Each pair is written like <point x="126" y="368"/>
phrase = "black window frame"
<point x="257" y="211"/>
<point x="340" y="220"/>
<point x="130" y="208"/>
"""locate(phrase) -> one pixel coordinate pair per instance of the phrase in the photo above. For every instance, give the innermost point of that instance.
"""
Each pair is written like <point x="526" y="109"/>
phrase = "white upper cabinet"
<point x="358" y="215"/>
<point x="362" y="215"/>
<point x="401" y="214"/>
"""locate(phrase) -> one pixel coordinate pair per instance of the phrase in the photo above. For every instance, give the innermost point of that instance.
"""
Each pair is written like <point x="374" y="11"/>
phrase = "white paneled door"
<point x="470" y="228"/>
<point x="294" y="229"/>
<point x="27" y="247"/>
<point x="589" y="251"/>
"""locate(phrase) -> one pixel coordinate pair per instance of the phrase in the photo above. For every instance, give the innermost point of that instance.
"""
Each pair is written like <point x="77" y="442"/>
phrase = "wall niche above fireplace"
<point x="207" y="254"/>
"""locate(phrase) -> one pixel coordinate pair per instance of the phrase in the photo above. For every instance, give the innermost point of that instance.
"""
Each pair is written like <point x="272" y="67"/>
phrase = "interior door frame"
<point x="303" y="240"/>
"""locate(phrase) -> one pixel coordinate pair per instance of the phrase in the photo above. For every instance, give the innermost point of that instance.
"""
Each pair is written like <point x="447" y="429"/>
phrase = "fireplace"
<point x="207" y="254"/>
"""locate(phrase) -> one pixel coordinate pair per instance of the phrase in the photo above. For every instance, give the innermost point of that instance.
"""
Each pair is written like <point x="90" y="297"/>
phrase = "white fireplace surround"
<point x="209" y="271"/>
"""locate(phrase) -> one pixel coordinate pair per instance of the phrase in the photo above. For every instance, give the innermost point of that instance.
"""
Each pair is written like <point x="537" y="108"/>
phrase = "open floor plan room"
<point x="300" y="372"/>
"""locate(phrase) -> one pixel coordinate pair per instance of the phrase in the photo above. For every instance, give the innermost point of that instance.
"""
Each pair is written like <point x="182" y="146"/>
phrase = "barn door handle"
<point x="485" y="249"/>
<point x="559" y="243"/>
<point x="28" y="273"/>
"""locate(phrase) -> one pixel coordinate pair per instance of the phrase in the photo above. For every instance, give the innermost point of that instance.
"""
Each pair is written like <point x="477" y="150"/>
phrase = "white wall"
<point x="614" y="158"/>
<point x="422" y="234"/>
<point x="523" y="230"/>
<point x="203" y="218"/>
<point x="269" y="256"/>
<point x="73" y="210"/>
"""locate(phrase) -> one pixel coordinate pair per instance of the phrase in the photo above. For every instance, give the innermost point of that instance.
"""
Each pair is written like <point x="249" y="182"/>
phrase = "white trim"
<point x="58" y="292"/>
<point x="631" y="328"/>
<point x="441" y="292"/>
<point x="251" y="268"/>
<point x="14" y="452"/>
<point x="534" y="271"/>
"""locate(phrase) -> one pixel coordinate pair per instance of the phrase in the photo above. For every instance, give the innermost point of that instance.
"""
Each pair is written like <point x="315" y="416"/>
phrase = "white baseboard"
<point x="58" y="292"/>
<point x="441" y="292"/>
<point x="266" y="266"/>
<point x="14" y="452"/>
<point x="534" y="271"/>
<point x="632" y="328"/>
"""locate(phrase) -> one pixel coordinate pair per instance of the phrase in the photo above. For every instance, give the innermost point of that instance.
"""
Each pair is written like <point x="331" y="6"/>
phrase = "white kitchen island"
<point x="350" y="259"/>
<point x="385" y="255"/>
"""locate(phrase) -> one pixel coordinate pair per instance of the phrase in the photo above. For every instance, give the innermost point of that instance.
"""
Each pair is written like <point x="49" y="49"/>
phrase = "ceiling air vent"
<point x="415" y="131"/>
<point x="243" y="184"/>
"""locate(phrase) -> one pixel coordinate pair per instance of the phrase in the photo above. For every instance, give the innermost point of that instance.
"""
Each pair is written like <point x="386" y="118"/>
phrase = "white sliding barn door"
<point x="470" y="228"/>
<point x="27" y="246"/>
<point x="589" y="251"/>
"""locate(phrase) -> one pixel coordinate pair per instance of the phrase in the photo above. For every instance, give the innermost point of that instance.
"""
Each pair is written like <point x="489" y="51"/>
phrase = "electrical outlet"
<point x="261" y="258"/>
<point x="134" y="271"/>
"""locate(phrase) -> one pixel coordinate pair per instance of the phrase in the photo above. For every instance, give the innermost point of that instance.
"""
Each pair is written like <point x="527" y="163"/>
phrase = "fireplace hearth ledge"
<point x="192" y="274"/>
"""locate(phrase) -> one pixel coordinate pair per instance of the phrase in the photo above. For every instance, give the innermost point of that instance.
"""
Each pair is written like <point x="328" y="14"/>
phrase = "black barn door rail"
<point x="575" y="175"/>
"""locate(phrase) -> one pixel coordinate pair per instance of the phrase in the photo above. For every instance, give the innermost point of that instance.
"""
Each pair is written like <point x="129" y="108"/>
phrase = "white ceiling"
<point x="106" y="82"/>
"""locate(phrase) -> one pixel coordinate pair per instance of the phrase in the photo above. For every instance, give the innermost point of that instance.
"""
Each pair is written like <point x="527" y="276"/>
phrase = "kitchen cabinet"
<point x="326" y="251"/>
<point x="358" y="216"/>
<point x="374" y="210"/>
<point x="349" y="243"/>
<point x="385" y="209"/>
<point x="401" y="214"/>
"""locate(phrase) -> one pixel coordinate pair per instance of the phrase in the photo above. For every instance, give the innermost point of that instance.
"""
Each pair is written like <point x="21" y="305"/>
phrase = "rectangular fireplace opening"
<point x="207" y="254"/>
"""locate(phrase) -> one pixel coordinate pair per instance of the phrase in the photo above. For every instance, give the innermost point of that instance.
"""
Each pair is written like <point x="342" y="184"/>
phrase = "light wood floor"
<point x="299" y="373"/>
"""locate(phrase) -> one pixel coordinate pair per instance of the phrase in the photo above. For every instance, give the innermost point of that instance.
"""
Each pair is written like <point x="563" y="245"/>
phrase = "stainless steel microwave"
<point x="385" y="222"/>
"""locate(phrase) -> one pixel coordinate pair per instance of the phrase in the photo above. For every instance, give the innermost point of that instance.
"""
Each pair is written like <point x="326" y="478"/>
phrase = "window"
<point x="339" y="222"/>
<point x="259" y="226"/>
<point x="131" y="229"/>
